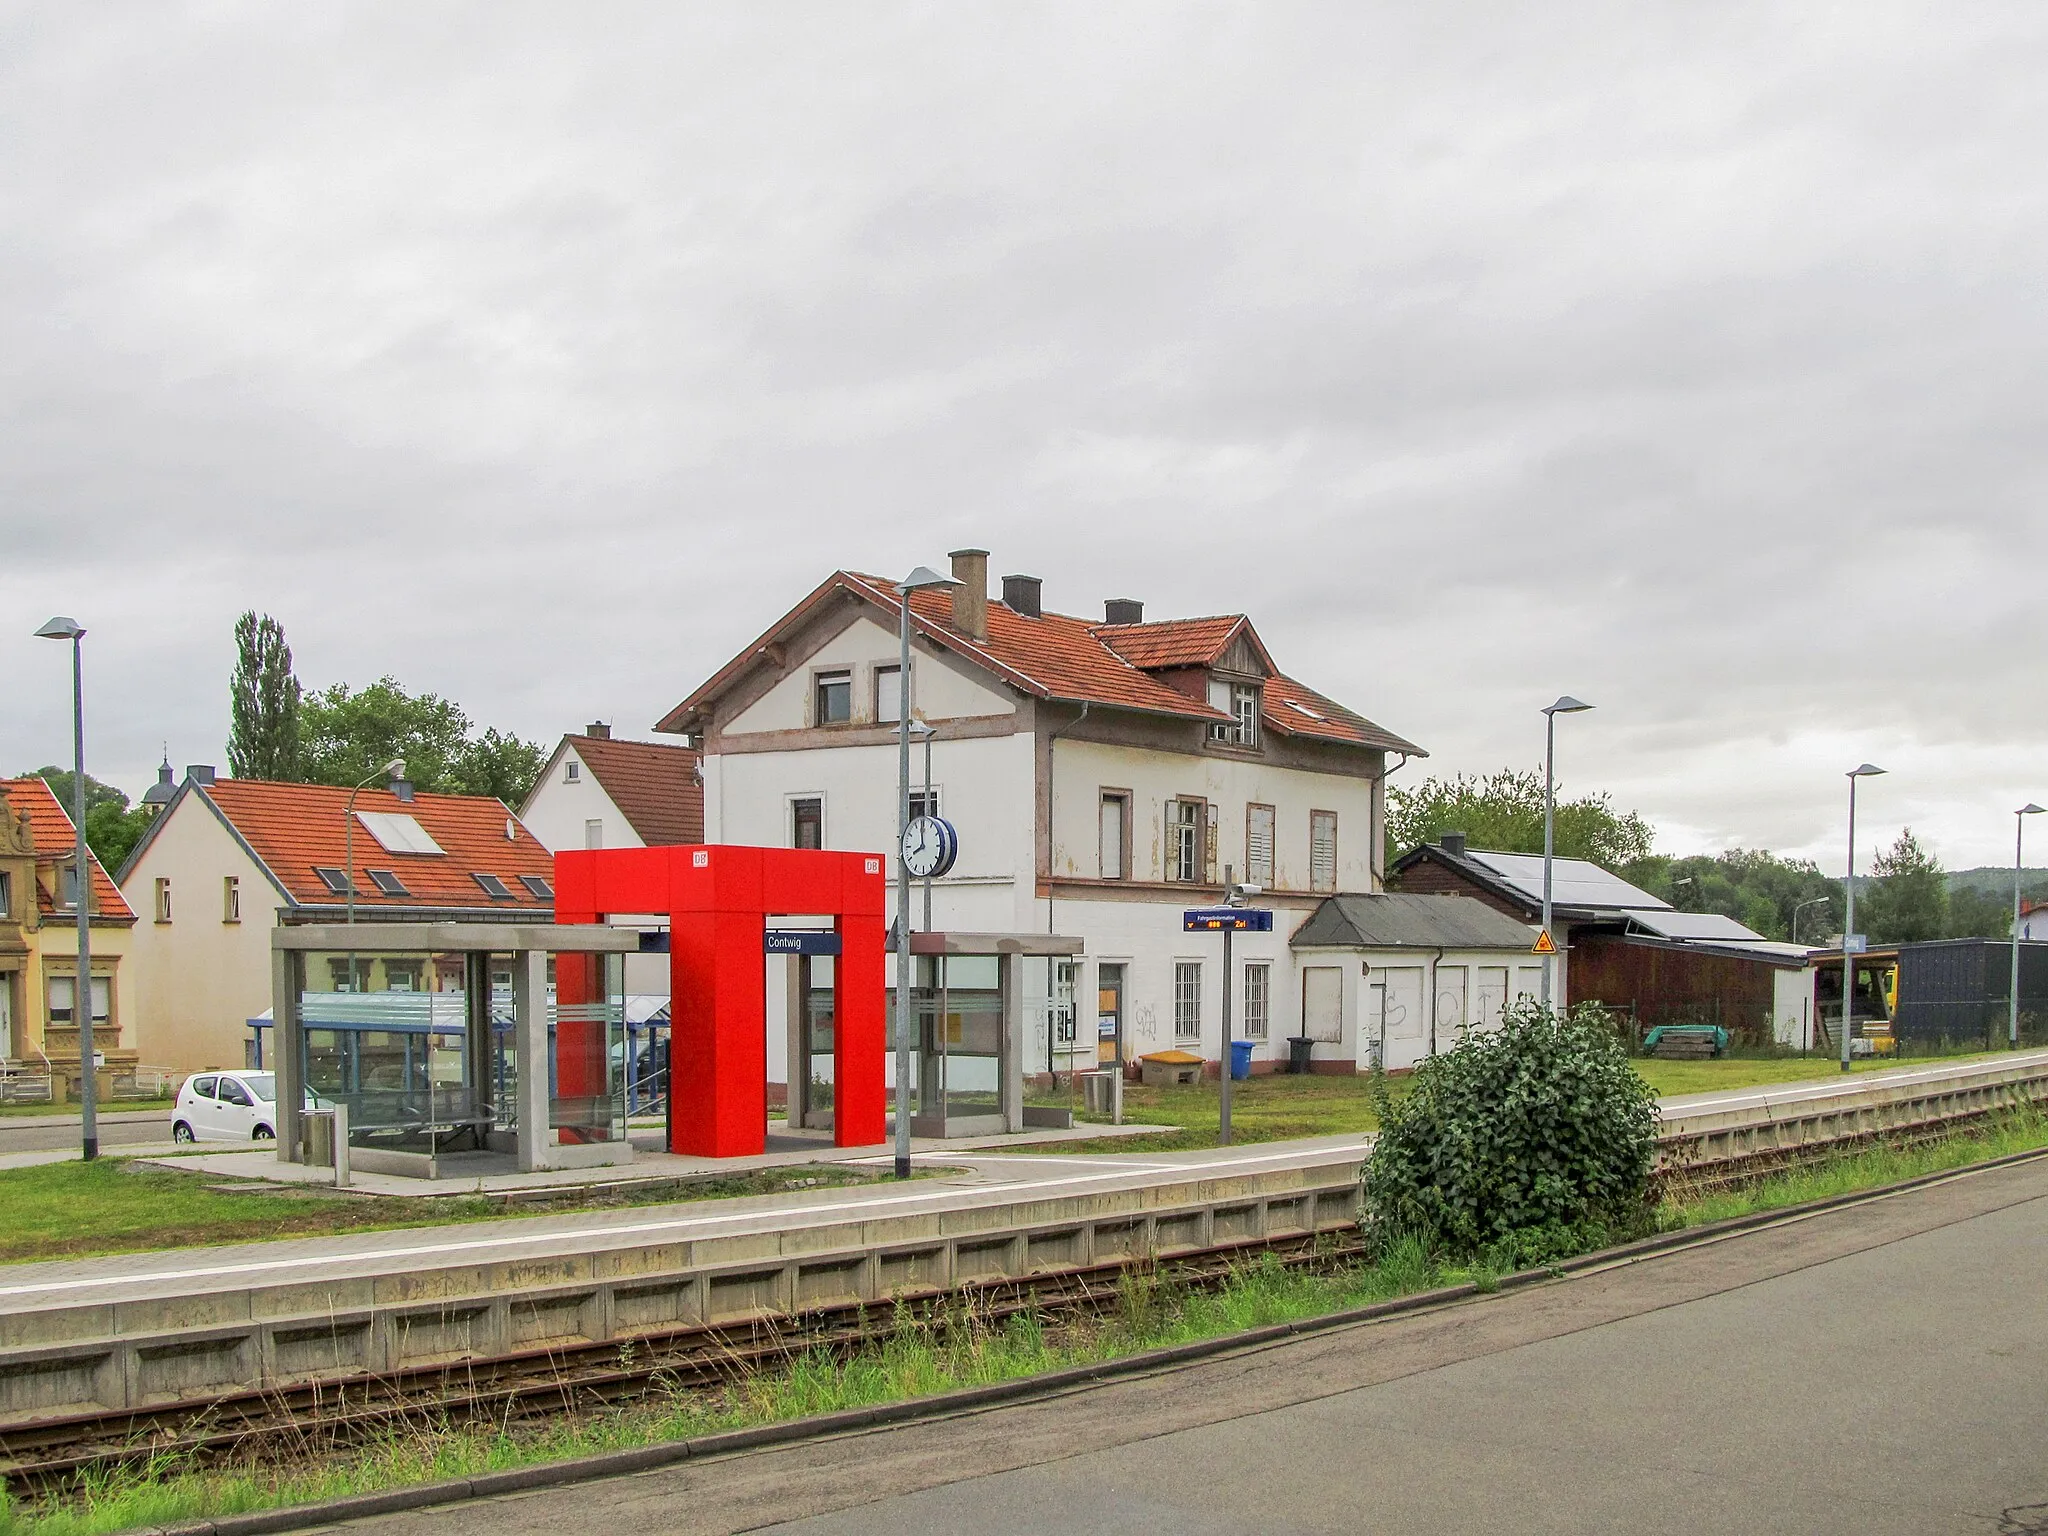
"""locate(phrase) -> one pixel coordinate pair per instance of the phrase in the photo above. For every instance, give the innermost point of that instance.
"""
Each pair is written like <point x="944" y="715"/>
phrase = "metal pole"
<point x="1223" y="1126"/>
<point x="1849" y="929"/>
<point x="81" y="995"/>
<point x="2012" y="1023"/>
<point x="929" y="812"/>
<point x="903" y="1054"/>
<point x="1549" y="842"/>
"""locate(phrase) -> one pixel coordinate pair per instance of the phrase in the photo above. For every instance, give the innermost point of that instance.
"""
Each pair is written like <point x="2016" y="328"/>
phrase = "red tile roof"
<point x="1056" y="656"/>
<point x="56" y="839"/>
<point x="293" y="827"/>
<point x="653" y="783"/>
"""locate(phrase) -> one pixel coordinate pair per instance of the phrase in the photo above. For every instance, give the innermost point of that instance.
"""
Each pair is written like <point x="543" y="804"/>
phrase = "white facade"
<point x="1024" y="781"/>
<point x="568" y="808"/>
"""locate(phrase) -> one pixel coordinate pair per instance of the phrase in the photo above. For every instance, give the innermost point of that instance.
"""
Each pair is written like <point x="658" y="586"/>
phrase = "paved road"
<point x="1879" y="1369"/>
<point x="117" y="1128"/>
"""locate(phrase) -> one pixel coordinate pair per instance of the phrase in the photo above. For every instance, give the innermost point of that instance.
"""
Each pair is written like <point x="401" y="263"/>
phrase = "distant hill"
<point x="1993" y="881"/>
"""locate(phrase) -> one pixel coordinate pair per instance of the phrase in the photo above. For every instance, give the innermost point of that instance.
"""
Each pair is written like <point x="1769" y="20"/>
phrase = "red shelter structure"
<point x="717" y="900"/>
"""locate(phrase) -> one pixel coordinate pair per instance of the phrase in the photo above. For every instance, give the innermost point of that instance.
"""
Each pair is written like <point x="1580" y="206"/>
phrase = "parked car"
<point x="226" y="1106"/>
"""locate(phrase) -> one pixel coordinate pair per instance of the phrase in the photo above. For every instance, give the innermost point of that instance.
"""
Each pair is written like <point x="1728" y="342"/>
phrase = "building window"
<point x="1241" y="702"/>
<point x="493" y="887"/>
<point x="537" y="887"/>
<point x="1115" y="835"/>
<point x="1258" y="1000"/>
<point x="572" y="772"/>
<point x="1187" y="1000"/>
<point x="924" y="802"/>
<point x="1184" y="819"/>
<point x="593" y="832"/>
<point x="1258" y="844"/>
<point x="6" y="894"/>
<point x="1322" y="850"/>
<point x="64" y="998"/>
<point x="807" y="823"/>
<point x="832" y="698"/>
<point x="163" y="899"/>
<point x="1063" y="1003"/>
<point x="67" y="887"/>
<point x="388" y="883"/>
<point x="334" y="879"/>
<point x="888" y="695"/>
<point x="230" y="899"/>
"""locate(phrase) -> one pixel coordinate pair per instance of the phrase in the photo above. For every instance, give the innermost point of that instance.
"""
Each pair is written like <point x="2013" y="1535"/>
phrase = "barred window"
<point x="1258" y="995"/>
<point x="1187" y="1000"/>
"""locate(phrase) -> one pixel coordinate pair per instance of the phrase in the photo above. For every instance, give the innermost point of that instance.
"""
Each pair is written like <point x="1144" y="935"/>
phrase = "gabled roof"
<point x="56" y="840"/>
<point x="1057" y="656"/>
<point x="1580" y="889"/>
<point x="1406" y="920"/>
<point x="291" y="828"/>
<point x="653" y="783"/>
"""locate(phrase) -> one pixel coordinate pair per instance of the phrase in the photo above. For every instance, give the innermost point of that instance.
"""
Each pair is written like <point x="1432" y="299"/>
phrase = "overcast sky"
<point x="1688" y="359"/>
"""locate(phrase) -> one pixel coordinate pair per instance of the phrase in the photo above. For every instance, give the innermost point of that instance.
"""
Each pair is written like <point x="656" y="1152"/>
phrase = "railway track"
<point x="49" y="1457"/>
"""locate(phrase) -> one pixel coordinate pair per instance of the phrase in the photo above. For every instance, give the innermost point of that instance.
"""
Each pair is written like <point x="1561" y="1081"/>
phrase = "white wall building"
<point x="1103" y="777"/>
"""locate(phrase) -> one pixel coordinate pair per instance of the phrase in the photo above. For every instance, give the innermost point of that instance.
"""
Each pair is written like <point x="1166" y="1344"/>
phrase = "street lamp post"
<point x="917" y="581"/>
<point x="1866" y="771"/>
<point x="1566" y="705"/>
<point x="395" y="771"/>
<point x="1815" y="901"/>
<point x="2012" y="1022"/>
<point x="81" y="894"/>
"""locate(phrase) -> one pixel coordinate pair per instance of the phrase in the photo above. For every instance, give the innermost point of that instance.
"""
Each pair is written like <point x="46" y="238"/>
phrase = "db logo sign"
<point x="874" y="866"/>
<point x="701" y="859"/>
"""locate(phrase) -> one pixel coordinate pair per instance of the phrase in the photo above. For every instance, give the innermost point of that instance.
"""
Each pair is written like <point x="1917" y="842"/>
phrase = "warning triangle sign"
<point x="1543" y="946"/>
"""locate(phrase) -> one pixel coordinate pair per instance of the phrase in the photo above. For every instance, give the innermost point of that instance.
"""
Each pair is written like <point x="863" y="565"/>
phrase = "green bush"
<point x="1533" y="1129"/>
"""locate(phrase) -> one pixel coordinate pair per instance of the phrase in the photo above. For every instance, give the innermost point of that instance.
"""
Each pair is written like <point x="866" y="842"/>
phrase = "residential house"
<point x="1103" y="775"/>
<point x="230" y="859"/>
<point x="1619" y="945"/>
<point x="2034" y="920"/>
<point x="598" y="791"/>
<point x="39" y="944"/>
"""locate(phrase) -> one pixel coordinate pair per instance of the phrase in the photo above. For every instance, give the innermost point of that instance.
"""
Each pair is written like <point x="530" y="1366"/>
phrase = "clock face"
<point x="929" y="847"/>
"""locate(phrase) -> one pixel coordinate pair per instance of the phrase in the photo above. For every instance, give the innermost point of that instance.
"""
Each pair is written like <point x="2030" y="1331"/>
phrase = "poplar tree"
<point x="263" y="737"/>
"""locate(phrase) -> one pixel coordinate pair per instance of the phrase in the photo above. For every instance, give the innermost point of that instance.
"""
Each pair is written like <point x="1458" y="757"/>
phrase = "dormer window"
<point x="1240" y="701"/>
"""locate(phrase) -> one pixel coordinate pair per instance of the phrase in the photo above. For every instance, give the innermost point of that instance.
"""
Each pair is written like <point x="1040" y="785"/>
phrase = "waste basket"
<point x="1298" y="1049"/>
<point x="1240" y="1060"/>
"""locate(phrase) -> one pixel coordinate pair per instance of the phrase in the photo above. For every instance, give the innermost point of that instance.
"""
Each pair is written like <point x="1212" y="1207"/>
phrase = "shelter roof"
<point x="294" y="829"/>
<point x="56" y="840"/>
<point x="1695" y="925"/>
<point x="1408" y="920"/>
<point x="653" y="783"/>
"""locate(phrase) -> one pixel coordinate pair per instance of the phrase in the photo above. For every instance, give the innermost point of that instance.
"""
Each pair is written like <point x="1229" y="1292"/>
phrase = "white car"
<point x="226" y="1106"/>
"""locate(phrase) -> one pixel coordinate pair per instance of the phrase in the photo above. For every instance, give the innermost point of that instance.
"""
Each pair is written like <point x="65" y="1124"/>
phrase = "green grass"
<point x="120" y="1205"/>
<point x="922" y="1358"/>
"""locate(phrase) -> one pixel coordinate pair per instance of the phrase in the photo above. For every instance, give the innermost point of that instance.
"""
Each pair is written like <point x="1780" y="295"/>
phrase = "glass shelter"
<point x="968" y="1015"/>
<point x="441" y="1048"/>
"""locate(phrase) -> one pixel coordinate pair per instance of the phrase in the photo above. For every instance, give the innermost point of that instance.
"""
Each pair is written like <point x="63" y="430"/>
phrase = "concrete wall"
<point x="198" y="978"/>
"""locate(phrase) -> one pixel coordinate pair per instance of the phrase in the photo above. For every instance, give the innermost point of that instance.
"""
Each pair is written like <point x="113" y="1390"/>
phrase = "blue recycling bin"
<point x="1240" y="1060"/>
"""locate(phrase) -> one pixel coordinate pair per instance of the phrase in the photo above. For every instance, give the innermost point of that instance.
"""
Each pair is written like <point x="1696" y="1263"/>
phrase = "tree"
<point x="1978" y="914"/>
<point x="111" y="829"/>
<point x="346" y="736"/>
<point x="264" y="701"/>
<point x="1907" y="901"/>
<point x="1503" y="812"/>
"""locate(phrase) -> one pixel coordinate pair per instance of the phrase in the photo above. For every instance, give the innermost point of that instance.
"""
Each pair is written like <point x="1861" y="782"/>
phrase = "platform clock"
<point x="930" y="845"/>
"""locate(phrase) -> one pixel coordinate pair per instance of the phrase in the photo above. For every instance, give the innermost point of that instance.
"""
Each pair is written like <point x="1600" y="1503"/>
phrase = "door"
<point x="6" y="1015"/>
<point x="1493" y="996"/>
<point x="236" y="1117"/>
<point x="202" y="1113"/>
<point x="1401" y="1018"/>
<point x="815" y="1073"/>
<point x="1447" y="1023"/>
<point x="1109" y="1011"/>
<point x="1322" y="1003"/>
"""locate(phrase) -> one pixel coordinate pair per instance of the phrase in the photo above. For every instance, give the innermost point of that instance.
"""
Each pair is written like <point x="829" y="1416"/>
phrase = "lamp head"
<point x="61" y="629"/>
<point x="1566" y="705"/>
<point x="920" y="729"/>
<point x="395" y="769"/>
<point x="924" y="576"/>
<point x="1867" y="771"/>
<point x="2029" y="809"/>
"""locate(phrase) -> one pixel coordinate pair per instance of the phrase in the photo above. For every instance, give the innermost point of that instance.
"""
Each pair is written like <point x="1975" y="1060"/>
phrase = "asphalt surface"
<point x="1882" y="1368"/>
<point x="117" y="1128"/>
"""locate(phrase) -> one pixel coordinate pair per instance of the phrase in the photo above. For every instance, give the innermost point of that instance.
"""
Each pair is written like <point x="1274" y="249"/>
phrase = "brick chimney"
<point x="597" y="730"/>
<point x="970" y="598"/>
<point x="1452" y="843"/>
<point x="1123" y="610"/>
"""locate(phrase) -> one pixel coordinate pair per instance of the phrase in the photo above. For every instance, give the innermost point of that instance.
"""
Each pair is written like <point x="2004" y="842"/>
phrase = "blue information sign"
<point x="1235" y="919"/>
<point x="793" y="941"/>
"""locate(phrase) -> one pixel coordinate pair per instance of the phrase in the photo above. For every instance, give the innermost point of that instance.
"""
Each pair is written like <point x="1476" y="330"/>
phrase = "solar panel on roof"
<point x="1573" y="882"/>
<point x="1692" y="925"/>
<point x="397" y="832"/>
